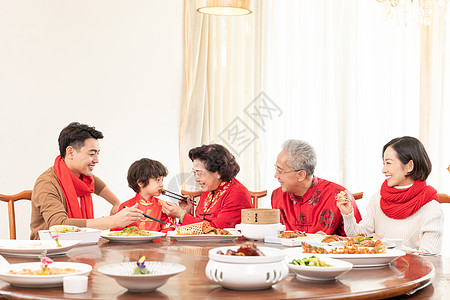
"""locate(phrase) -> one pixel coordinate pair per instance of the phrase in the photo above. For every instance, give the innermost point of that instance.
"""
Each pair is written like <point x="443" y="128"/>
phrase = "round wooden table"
<point x="410" y="274"/>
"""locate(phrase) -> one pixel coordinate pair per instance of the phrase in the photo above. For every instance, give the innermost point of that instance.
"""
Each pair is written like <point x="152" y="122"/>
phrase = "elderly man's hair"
<point x="302" y="156"/>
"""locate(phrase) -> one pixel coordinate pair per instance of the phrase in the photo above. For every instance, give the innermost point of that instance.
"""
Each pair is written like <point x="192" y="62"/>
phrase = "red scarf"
<point x="401" y="203"/>
<point x="74" y="187"/>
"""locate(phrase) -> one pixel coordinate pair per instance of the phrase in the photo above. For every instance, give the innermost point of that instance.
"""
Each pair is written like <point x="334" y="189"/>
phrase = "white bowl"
<point x="259" y="231"/>
<point x="338" y="268"/>
<point x="86" y="235"/>
<point x="246" y="272"/>
<point x="160" y="273"/>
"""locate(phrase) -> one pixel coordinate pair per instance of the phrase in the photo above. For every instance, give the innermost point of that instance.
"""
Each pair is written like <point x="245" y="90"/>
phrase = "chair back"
<point x="444" y="198"/>
<point x="255" y="197"/>
<point x="24" y="195"/>
<point x="358" y="196"/>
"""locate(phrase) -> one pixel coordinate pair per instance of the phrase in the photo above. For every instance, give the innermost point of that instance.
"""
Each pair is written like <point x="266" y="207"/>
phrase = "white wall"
<point x="116" y="65"/>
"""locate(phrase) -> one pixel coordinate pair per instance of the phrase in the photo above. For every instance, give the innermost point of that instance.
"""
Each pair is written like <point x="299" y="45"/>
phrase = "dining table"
<point x="408" y="277"/>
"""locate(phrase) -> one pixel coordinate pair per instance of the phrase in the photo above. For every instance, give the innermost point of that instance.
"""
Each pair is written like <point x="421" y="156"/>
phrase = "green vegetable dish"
<point x="309" y="262"/>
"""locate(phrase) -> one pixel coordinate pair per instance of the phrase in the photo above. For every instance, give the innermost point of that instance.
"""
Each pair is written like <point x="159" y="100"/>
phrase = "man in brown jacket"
<point x="62" y="194"/>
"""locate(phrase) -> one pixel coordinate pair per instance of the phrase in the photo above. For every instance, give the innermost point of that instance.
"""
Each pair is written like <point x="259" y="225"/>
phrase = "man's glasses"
<point x="279" y="172"/>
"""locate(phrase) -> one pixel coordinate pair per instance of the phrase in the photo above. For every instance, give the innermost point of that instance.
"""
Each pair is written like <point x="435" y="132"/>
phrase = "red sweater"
<point x="223" y="207"/>
<point x="315" y="211"/>
<point x="153" y="208"/>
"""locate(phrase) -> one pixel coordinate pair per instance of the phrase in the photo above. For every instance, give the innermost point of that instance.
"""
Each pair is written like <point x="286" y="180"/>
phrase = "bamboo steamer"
<point x="260" y="216"/>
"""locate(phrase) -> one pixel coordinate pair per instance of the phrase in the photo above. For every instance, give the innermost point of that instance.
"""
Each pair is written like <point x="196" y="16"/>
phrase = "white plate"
<point x="41" y="281"/>
<point x="313" y="239"/>
<point x="204" y="237"/>
<point x="337" y="268"/>
<point x="87" y="236"/>
<point x="131" y="239"/>
<point x="358" y="260"/>
<point x="160" y="273"/>
<point x="33" y="248"/>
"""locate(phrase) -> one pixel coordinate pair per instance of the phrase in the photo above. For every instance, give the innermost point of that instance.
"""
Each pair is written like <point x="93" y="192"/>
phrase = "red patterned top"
<point x="153" y="208"/>
<point x="315" y="211"/>
<point x="222" y="207"/>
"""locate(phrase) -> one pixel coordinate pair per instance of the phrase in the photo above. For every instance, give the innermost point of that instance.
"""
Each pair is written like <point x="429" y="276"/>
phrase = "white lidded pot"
<point x="247" y="272"/>
<point x="259" y="231"/>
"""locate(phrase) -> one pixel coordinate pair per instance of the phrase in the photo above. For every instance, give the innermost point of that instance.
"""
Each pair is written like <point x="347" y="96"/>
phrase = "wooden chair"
<point x="255" y="196"/>
<point x="358" y="196"/>
<point x="444" y="198"/>
<point x="24" y="195"/>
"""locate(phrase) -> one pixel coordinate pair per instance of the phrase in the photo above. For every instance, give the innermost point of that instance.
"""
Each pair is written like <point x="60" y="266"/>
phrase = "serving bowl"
<point x="246" y="272"/>
<point x="160" y="272"/>
<point x="259" y="231"/>
<point x="87" y="236"/>
<point x="337" y="268"/>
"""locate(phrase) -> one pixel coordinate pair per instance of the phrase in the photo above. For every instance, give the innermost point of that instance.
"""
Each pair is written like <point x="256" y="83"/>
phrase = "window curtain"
<point x="337" y="74"/>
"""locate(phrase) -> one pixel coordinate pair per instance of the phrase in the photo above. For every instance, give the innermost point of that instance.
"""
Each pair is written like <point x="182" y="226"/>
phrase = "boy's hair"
<point x="142" y="170"/>
<point x="75" y="134"/>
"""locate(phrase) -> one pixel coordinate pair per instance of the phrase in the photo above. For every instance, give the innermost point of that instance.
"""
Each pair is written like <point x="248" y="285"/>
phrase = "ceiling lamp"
<point x="224" y="7"/>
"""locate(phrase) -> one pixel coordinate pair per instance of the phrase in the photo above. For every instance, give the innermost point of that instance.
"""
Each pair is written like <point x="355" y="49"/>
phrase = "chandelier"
<point x="224" y="7"/>
<point x="425" y="8"/>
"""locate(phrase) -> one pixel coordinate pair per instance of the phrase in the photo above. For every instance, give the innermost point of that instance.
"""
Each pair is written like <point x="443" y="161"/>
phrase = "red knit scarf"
<point x="401" y="203"/>
<point x="74" y="187"/>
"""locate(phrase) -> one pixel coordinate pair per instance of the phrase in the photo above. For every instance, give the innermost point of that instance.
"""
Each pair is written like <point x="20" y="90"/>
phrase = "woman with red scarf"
<point x="223" y="196"/>
<point x="406" y="207"/>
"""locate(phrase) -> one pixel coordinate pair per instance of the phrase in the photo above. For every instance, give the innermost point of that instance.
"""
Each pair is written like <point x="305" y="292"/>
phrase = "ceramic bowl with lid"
<point x="247" y="272"/>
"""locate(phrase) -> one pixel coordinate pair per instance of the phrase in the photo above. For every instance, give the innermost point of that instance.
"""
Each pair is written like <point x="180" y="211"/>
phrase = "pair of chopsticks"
<point x="151" y="218"/>
<point x="174" y="195"/>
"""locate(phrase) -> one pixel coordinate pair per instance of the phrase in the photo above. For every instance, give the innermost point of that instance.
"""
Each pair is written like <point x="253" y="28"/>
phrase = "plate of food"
<point x="203" y="231"/>
<point x="317" y="268"/>
<point x="33" y="275"/>
<point x="31" y="248"/>
<point x="131" y="235"/>
<point x="87" y="236"/>
<point x="294" y="238"/>
<point x="360" y="257"/>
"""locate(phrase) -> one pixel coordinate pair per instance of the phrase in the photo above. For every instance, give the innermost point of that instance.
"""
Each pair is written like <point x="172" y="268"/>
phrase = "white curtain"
<point x="337" y="74"/>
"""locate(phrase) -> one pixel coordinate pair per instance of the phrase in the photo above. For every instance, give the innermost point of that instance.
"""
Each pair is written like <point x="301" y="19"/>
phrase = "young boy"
<point x="145" y="177"/>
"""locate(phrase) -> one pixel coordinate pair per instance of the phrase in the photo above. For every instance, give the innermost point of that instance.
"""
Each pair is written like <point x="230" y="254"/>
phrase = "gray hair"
<point x="302" y="156"/>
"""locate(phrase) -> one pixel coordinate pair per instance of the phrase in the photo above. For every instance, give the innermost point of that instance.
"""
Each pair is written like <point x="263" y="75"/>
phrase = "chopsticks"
<point x="174" y="195"/>
<point x="151" y="218"/>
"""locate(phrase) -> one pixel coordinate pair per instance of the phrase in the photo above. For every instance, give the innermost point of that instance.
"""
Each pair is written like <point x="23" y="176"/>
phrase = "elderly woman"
<point x="406" y="207"/>
<point x="223" y="196"/>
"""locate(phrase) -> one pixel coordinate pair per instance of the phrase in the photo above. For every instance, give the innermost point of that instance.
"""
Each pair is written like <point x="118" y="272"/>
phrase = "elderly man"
<point x="306" y="202"/>
<point x="62" y="194"/>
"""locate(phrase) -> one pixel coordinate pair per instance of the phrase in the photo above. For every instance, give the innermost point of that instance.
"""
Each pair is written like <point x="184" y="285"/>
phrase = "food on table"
<point x="201" y="228"/>
<point x="64" y="228"/>
<point x="246" y="249"/>
<point x="361" y="240"/>
<point x="354" y="249"/>
<point x="47" y="271"/>
<point x="141" y="269"/>
<point x="291" y="234"/>
<point x="342" y="196"/>
<point x="309" y="262"/>
<point x="131" y="231"/>
<point x="334" y="238"/>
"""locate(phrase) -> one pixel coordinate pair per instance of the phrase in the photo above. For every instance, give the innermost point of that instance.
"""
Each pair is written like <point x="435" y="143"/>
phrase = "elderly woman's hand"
<point x="187" y="205"/>
<point x="171" y="209"/>
<point x="344" y="203"/>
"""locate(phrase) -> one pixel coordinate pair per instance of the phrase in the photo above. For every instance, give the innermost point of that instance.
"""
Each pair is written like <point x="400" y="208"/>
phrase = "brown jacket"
<point x="48" y="204"/>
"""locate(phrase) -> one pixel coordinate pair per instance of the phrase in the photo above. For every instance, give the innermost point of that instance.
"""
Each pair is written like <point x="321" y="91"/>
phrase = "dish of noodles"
<point x="132" y="231"/>
<point x="48" y="271"/>
<point x="131" y="235"/>
<point x="28" y="274"/>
